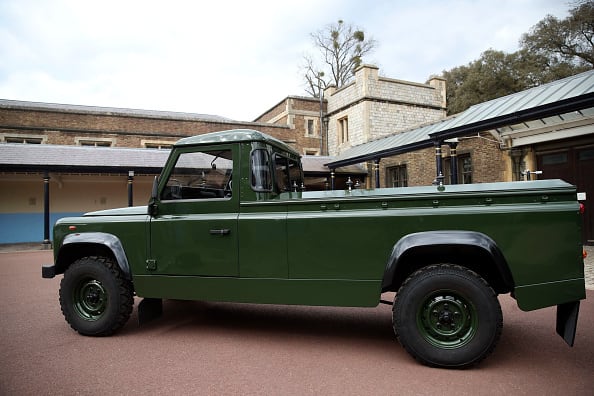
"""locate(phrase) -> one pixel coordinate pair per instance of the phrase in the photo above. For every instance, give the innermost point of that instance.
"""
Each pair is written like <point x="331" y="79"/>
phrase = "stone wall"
<point x="377" y="106"/>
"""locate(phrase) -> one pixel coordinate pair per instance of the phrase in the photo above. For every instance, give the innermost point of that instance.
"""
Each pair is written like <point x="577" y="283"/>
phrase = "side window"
<point x="200" y="175"/>
<point x="465" y="166"/>
<point x="288" y="174"/>
<point x="343" y="130"/>
<point x="261" y="178"/>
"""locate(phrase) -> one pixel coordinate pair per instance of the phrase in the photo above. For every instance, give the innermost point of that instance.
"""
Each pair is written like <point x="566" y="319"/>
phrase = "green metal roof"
<point x="558" y="97"/>
<point x="234" y="136"/>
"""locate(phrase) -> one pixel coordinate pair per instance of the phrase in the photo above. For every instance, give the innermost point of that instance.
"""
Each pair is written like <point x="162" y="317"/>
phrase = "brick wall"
<point x="293" y="112"/>
<point x="488" y="160"/>
<point x="308" y="104"/>
<point x="420" y="167"/>
<point x="488" y="163"/>
<point x="275" y="111"/>
<point x="63" y="127"/>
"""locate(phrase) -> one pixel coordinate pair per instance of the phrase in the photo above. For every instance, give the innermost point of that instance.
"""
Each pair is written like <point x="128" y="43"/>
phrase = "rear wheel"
<point x="95" y="297"/>
<point x="447" y="316"/>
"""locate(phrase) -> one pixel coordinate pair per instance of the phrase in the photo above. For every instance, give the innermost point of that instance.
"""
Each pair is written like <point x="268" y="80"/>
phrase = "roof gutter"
<point x="114" y="170"/>
<point x="381" y="154"/>
<point x="548" y="110"/>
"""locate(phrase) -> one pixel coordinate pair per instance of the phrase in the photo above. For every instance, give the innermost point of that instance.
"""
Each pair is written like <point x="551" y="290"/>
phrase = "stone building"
<point x="368" y="108"/>
<point x="303" y="116"/>
<point x="546" y="132"/>
<point x="372" y="107"/>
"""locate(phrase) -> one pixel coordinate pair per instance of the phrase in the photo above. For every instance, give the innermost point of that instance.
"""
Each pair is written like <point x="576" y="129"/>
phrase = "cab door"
<point x="193" y="230"/>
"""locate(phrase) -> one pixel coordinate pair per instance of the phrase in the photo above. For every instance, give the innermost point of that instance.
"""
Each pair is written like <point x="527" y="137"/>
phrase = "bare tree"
<point x="341" y="49"/>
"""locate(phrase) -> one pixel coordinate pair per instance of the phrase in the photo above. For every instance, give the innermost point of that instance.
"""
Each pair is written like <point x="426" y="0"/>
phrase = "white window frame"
<point x="161" y="144"/>
<point x="95" y="141"/>
<point x="315" y="128"/>
<point x="23" y="137"/>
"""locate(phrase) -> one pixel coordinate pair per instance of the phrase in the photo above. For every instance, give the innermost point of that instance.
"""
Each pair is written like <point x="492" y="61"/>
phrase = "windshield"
<point x="200" y="175"/>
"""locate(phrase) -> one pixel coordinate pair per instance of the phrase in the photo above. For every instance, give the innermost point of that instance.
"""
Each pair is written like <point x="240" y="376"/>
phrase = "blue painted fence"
<point x="26" y="227"/>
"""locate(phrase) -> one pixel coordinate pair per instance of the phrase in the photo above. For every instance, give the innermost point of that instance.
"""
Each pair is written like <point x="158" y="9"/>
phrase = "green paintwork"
<point x="446" y="320"/>
<point x="334" y="292"/>
<point x="332" y="247"/>
<point x="89" y="299"/>
<point x="235" y="136"/>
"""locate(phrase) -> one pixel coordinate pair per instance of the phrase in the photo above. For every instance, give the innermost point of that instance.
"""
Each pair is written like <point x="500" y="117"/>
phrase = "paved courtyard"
<point x="244" y="349"/>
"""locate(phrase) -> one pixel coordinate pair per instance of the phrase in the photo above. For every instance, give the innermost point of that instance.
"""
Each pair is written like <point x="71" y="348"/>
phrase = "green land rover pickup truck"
<point x="228" y="221"/>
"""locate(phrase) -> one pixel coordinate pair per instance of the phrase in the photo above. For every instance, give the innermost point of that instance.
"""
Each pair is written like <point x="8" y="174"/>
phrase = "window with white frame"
<point x="157" y="144"/>
<point x="94" y="142"/>
<point x="310" y="127"/>
<point x="23" y="139"/>
<point x="397" y="176"/>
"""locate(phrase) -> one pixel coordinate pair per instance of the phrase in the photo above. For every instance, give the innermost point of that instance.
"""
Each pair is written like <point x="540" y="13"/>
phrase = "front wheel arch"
<point x="77" y="246"/>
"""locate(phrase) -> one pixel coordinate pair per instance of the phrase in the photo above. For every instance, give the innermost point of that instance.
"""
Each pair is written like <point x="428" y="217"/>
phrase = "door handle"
<point x="224" y="231"/>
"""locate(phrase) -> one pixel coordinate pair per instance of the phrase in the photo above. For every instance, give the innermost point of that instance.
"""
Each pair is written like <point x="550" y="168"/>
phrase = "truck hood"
<point x="131" y="211"/>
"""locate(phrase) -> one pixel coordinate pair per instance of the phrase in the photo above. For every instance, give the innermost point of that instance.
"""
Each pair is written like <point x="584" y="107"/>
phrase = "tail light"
<point x="582" y="208"/>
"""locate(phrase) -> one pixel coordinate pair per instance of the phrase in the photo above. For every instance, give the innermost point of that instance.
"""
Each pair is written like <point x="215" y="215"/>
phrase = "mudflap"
<point x="149" y="309"/>
<point x="567" y="317"/>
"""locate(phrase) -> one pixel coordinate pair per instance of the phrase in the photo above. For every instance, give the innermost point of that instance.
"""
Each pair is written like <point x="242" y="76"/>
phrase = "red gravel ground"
<point x="233" y="349"/>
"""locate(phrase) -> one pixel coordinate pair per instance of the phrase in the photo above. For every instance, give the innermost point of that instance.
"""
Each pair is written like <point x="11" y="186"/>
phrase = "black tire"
<point x="95" y="297"/>
<point x="447" y="316"/>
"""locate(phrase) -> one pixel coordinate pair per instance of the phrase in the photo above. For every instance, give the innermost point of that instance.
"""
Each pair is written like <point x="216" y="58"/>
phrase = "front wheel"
<point x="447" y="316"/>
<point x="95" y="297"/>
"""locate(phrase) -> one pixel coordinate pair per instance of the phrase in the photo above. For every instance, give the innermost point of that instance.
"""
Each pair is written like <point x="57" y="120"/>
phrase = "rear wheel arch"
<point x="473" y="250"/>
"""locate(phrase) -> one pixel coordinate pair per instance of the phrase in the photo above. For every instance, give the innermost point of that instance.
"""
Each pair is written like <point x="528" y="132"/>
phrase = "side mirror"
<point x="152" y="205"/>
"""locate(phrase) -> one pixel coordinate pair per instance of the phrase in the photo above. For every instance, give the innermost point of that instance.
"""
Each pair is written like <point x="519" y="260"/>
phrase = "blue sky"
<point x="232" y="58"/>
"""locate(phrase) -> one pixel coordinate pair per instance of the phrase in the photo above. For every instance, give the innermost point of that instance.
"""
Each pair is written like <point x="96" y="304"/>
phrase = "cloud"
<point x="421" y="38"/>
<point x="230" y="58"/>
